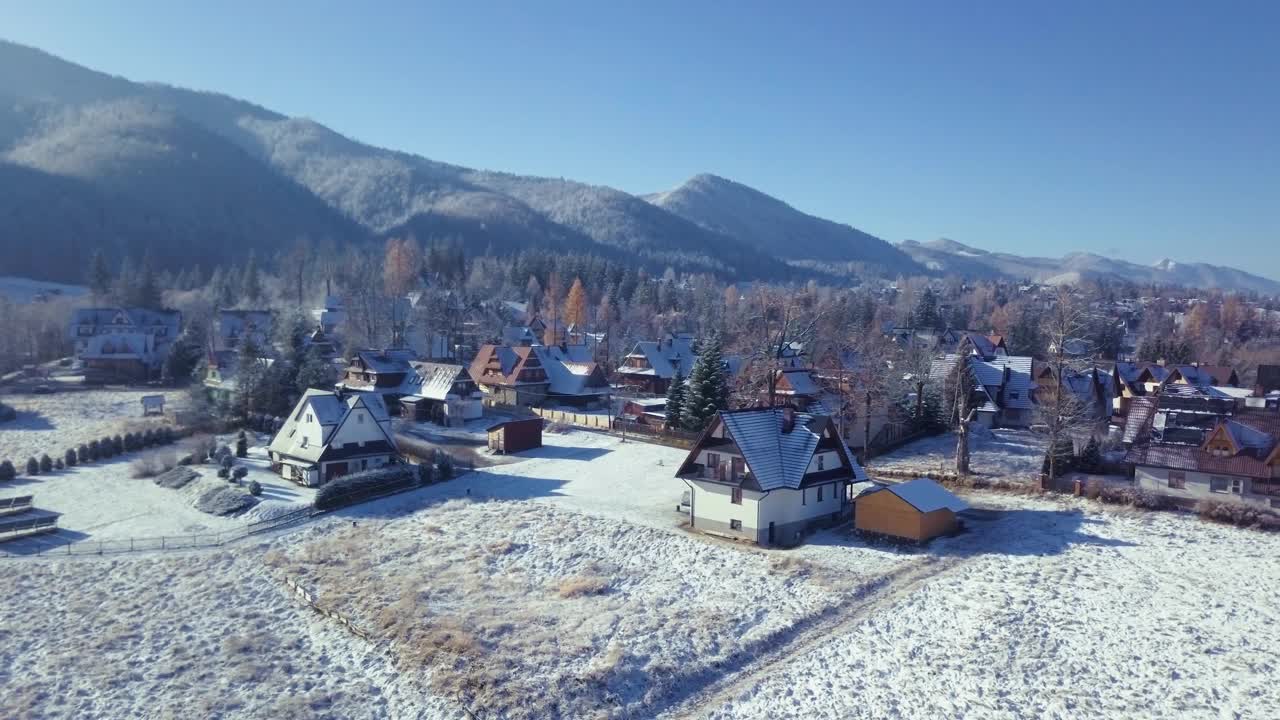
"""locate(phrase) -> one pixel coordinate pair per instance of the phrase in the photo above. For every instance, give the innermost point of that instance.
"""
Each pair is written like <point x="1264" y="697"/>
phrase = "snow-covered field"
<point x="1014" y="455"/>
<point x="23" y="290"/>
<point x="562" y="586"/>
<point x="53" y="423"/>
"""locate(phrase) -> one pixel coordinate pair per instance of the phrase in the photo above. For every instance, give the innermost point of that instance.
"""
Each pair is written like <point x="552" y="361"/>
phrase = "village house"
<point x="222" y="373"/>
<point x="650" y="412"/>
<point x="1090" y="388"/>
<point x="330" y="315"/>
<point x="529" y="375"/>
<point x="331" y="434"/>
<point x="651" y="365"/>
<point x="441" y="393"/>
<point x="768" y="475"/>
<point x="123" y="344"/>
<point x="1237" y="459"/>
<point x="1137" y="379"/>
<point x="380" y="372"/>
<point x="233" y="327"/>
<point x="1004" y="389"/>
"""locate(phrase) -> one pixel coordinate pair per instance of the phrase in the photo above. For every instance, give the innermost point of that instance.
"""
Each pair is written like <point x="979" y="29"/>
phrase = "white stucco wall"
<point x="789" y="506"/>
<point x="713" y="502"/>
<point x="830" y="460"/>
<point x="360" y="427"/>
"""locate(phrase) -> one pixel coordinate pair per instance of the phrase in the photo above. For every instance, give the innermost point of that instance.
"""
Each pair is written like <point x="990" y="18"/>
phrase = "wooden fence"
<point x="310" y="599"/>
<point x="590" y="421"/>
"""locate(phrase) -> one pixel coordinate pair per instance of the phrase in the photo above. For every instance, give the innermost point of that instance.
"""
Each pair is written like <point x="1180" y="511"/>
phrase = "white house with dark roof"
<point x="235" y="326"/>
<point x="442" y="393"/>
<point x="768" y="475"/>
<point x="329" y="434"/>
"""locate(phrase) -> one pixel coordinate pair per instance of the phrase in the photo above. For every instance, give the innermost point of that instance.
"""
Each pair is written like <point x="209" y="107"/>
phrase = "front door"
<point x="771" y="532"/>
<point x="737" y="468"/>
<point x="335" y="470"/>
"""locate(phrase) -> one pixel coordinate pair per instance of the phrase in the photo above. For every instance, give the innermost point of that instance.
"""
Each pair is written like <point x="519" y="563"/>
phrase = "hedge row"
<point x="355" y="487"/>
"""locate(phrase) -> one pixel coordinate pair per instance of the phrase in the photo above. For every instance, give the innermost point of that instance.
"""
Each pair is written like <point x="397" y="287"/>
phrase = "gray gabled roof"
<point x="776" y="458"/>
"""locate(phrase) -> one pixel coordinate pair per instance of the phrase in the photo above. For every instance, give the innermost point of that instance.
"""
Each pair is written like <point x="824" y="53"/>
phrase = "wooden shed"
<point x="515" y="436"/>
<point x="918" y="510"/>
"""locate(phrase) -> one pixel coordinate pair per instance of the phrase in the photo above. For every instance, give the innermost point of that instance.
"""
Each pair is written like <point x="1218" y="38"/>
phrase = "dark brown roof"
<point x="1190" y="457"/>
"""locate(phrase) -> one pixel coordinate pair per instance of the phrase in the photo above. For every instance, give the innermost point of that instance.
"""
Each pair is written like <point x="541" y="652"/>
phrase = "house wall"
<point x="795" y="512"/>
<point x="1198" y="485"/>
<point x="935" y="523"/>
<point x="712" y="509"/>
<point x="358" y="428"/>
<point x="830" y="459"/>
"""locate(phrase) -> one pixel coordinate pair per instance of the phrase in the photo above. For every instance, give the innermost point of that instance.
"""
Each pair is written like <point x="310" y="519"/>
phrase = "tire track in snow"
<point x="810" y="633"/>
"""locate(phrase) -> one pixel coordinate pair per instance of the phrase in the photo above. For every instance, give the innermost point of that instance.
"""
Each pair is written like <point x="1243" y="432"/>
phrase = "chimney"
<point x="788" y="419"/>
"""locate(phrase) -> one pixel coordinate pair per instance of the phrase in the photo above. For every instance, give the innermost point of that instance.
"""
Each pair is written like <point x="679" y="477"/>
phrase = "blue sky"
<point x="1137" y="129"/>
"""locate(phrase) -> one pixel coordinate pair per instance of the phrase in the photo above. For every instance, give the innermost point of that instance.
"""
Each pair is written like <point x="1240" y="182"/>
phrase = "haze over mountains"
<point x="949" y="256"/>
<point x="90" y="160"/>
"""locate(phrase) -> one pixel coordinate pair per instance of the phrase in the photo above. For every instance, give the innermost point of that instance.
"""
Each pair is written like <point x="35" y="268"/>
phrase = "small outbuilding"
<point x="918" y="510"/>
<point x="513" y="436"/>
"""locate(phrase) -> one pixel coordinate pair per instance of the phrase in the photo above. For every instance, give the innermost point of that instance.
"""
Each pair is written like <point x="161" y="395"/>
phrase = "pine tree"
<point x="7" y="471"/>
<point x="1091" y="457"/>
<point x="100" y="279"/>
<point x="250" y="281"/>
<point x="147" y="287"/>
<point x="707" y="392"/>
<point x="675" y="401"/>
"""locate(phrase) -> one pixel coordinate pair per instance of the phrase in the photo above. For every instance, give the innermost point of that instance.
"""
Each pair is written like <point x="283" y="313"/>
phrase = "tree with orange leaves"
<point x="400" y="266"/>
<point x="575" y="305"/>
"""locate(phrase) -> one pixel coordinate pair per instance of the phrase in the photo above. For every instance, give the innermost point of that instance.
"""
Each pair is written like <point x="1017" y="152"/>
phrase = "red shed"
<point x="515" y="436"/>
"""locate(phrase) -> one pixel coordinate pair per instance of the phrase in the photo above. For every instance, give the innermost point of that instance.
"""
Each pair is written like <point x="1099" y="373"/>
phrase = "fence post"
<point x="130" y="544"/>
<point x="161" y="542"/>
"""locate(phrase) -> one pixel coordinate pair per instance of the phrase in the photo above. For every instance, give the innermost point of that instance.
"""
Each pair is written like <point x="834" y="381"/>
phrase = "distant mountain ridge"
<point x="89" y="160"/>
<point x="775" y="227"/>
<point x="949" y="256"/>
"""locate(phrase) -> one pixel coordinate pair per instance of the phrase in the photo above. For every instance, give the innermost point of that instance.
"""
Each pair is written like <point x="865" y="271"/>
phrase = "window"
<point x="735" y="496"/>
<point x="819" y="493"/>
<point x="735" y="524"/>
<point x="713" y="461"/>
<point x="1237" y="485"/>
<point x="304" y="441"/>
<point x="1219" y="484"/>
<point x="309" y="418"/>
<point x="1013" y="395"/>
<point x="804" y="499"/>
<point x="359" y="417"/>
<point x="822" y="463"/>
<point x="1177" y="480"/>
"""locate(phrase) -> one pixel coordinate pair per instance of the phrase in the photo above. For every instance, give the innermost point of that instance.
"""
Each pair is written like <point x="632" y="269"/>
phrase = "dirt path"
<point x="878" y="595"/>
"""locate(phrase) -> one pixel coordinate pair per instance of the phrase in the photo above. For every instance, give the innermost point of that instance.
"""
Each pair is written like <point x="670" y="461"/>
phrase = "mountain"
<point x="771" y="225"/>
<point x="92" y="160"/>
<point x="949" y="256"/>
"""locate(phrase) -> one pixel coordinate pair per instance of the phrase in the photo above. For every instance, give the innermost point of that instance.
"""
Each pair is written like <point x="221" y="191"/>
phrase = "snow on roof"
<point x="926" y="495"/>
<point x="778" y="459"/>
<point x="330" y="410"/>
<point x="990" y="373"/>
<point x="666" y="357"/>
<point x="435" y="380"/>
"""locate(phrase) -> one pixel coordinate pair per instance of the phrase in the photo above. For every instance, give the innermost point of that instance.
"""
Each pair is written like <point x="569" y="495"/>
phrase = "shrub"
<point x="149" y="437"/>
<point x="33" y="467"/>
<point x="57" y="464"/>
<point x="70" y="457"/>
<point x="187" y="459"/>
<point x="7" y="413"/>
<point x="224" y="473"/>
<point x="225" y="462"/>
<point x="130" y="442"/>
<point x="117" y="445"/>
<point x="1090" y="459"/>
<point x="152" y="464"/>
<point x="255" y="488"/>
<point x="239" y="473"/>
<point x="583" y="585"/>
<point x="46" y="463"/>
<point x="106" y="448"/>
<point x="7" y="471"/>
<point x="352" y="488"/>
<point x="85" y="454"/>
<point x="222" y="452"/>
<point x="425" y="473"/>
<point x="444" y="467"/>
<point x="242" y="446"/>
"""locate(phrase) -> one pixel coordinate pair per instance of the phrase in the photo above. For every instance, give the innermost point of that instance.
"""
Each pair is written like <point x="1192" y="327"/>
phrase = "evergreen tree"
<point x="100" y="279"/>
<point x="184" y="354"/>
<point x="1091" y="457"/>
<point x="1026" y="336"/>
<point x="675" y="401"/>
<point x="315" y="372"/>
<point x="708" y="392"/>
<point x="251" y="281"/>
<point x="7" y="471"/>
<point x="146" y="290"/>
<point x="925" y="313"/>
